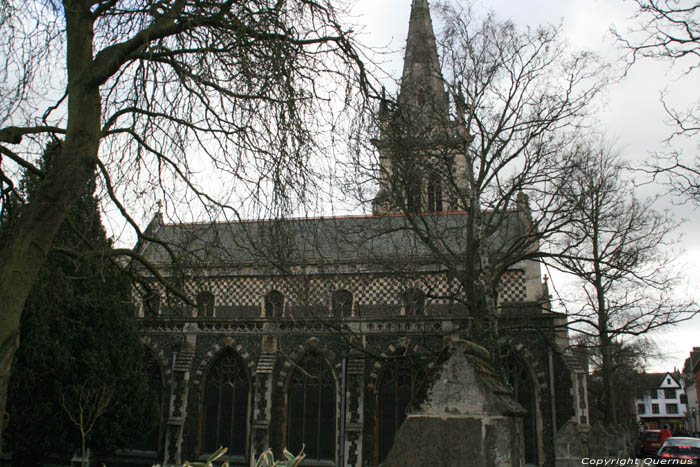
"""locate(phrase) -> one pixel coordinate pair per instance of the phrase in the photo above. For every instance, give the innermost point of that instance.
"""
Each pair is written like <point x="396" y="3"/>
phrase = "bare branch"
<point x="670" y="30"/>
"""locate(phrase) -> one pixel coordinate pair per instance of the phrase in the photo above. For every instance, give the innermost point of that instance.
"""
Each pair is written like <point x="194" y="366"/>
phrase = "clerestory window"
<point x="434" y="195"/>
<point x="342" y="303"/>
<point x="413" y="187"/>
<point x="274" y="304"/>
<point x="414" y="302"/>
<point x="205" y="304"/>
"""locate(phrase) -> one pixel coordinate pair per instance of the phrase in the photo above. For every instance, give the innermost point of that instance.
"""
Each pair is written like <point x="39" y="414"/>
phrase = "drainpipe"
<point x="552" y="394"/>
<point x="343" y="384"/>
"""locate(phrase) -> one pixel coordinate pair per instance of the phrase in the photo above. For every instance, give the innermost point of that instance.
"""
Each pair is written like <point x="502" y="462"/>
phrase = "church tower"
<point x="421" y="168"/>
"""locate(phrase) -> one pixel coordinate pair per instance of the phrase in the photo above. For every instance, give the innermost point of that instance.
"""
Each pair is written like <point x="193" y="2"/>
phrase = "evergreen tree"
<point x="78" y="331"/>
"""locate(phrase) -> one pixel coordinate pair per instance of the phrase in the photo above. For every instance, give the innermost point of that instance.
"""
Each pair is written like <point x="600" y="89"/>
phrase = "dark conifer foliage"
<point x="77" y="330"/>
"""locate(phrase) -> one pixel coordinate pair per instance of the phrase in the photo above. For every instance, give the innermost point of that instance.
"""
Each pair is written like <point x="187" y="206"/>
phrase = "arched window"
<point x="342" y="303"/>
<point x="414" y="302"/>
<point x="311" y="409"/>
<point x="434" y="195"/>
<point x="226" y="397"/>
<point x="274" y="304"/>
<point x="413" y="195"/>
<point x="524" y="393"/>
<point x="205" y="304"/>
<point x="400" y="381"/>
<point x="150" y="440"/>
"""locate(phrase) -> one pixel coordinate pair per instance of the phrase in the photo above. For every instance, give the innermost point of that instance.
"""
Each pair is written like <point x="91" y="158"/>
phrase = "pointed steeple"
<point x="414" y="134"/>
<point x="421" y="83"/>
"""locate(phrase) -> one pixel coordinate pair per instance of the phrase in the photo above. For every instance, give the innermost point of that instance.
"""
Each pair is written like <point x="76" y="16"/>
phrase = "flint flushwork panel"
<point x="366" y="289"/>
<point x="512" y="287"/>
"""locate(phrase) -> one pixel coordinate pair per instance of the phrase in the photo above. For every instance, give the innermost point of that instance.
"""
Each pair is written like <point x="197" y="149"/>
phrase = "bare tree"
<point x="84" y="406"/>
<point x="630" y="360"/>
<point x="616" y="247"/>
<point x="670" y="30"/>
<point x="148" y="95"/>
<point x="667" y="29"/>
<point x="479" y="136"/>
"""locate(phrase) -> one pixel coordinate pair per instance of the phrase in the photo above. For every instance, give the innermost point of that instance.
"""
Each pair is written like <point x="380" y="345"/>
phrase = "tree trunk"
<point x="608" y="383"/>
<point x="606" y="354"/>
<point x="83" y="449"/>
<point x="74" y="166"/>
<point x="604" y="339"/>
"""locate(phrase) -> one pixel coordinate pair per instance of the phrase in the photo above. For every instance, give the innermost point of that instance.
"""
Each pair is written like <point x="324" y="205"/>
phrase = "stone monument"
<point x="468" y="418"/>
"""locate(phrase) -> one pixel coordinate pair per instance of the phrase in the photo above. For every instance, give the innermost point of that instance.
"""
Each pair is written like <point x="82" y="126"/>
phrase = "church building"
<point x="316" y="333"/>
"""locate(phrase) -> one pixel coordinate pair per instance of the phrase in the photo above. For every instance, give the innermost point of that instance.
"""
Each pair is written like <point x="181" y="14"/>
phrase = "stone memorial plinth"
<point x="468" y="418"/>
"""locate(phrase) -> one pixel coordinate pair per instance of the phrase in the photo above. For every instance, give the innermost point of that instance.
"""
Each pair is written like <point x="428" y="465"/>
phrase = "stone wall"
<point x="403" y="337"/>
<point x="575" y="442"/>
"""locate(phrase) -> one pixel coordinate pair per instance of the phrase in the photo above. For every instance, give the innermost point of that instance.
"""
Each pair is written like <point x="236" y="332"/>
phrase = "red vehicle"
<point x="649" y="443"/>
<point x="677" y="447"/>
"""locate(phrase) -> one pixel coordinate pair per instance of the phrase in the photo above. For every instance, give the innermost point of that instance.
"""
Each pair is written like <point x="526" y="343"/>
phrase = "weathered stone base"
<point x="575" y="442"/>
<point x="457" y="442"/>
<point x="467" y="419"/>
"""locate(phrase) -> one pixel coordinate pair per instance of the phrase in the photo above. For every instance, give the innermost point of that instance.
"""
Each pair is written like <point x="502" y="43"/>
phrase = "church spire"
<point x="421" y="82"/>
<point x="415" y="134"/>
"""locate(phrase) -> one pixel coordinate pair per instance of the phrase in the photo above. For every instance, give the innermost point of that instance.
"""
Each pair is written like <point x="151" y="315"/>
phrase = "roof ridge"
<point x="295" y="219"/>
<point x="343" y="217"/>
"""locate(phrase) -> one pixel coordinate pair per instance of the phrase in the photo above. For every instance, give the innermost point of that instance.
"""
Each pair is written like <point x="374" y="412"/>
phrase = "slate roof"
<point x="650" y="380"/>
<point x="354" y="240"/>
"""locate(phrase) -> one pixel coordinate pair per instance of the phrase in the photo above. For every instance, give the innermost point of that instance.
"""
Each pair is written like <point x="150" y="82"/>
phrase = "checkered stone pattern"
<point x="138" y="293"/>
<point x="379" y="291"/>
<point x="249" y="291"/>
<point x="512" y="287"/>
<point x="386" y="290"/>
<point x="242" y="291"/>
<point x="366" y="289"/>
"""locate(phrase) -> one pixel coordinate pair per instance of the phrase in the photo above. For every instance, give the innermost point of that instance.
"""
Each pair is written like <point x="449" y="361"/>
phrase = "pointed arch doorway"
<point x="525" y="393"/>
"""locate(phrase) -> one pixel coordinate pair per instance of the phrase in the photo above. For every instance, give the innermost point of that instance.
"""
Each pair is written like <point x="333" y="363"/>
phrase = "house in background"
<point x="661" y="401"/>
<point x="691" y="381"/>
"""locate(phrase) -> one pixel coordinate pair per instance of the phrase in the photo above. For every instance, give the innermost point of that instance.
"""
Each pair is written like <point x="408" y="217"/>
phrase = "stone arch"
<point x="312" y="344"/>
<point x="226" y="385"/>
<point x="216" y="349"/>
<point x="412" y="292"/>
<point x="538" y="374"/>
<point x="403" y="346"/>
<point x="159" y="355"/>
<point x="533" y="424"/>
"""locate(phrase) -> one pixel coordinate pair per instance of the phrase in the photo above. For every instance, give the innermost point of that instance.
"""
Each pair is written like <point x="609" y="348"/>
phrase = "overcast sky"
<point x="630" y="113"/>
